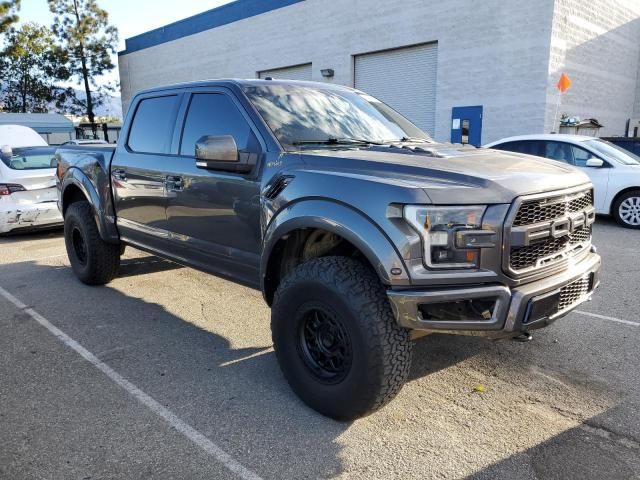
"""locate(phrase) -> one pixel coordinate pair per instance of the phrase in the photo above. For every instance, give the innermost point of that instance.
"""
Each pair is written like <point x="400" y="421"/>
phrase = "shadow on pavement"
<point x="21" y="235"/>
<point x="587" y="452"/>
<point x="237" y="397"/>
<point x="131" y="267"/>
<point x="234" y="393"/>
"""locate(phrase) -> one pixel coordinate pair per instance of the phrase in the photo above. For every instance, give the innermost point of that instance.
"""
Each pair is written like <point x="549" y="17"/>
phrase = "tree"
<point x="8" y="17"/>
<point x="83" y="30"/>
<point x="30" y="66"/>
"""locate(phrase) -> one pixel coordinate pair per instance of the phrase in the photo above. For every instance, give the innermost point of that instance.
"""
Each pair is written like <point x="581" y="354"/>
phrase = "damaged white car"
<point x="28" y="198"/>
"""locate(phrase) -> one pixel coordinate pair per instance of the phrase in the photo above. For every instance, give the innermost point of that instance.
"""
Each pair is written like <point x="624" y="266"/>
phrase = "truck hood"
<point x="450" y="174"/>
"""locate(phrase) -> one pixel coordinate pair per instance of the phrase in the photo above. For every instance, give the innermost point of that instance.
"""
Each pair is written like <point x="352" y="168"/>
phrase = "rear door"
<point x="138" y="171"/>
<point x="214" y="216"/>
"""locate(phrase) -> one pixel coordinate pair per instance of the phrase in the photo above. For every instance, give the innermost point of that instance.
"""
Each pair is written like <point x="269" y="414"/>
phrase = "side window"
<point x="509" y="146"/>
<point x="580" y="156"/>
<point x="215" y="114"/>
<point x="532" y="147"/>
<point x="152" y="125"/>
<point x="559" y="151"/>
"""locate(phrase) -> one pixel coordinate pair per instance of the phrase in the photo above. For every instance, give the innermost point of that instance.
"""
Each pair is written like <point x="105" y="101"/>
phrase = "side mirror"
<point x="221" y="153"/>
<point x="594" y="163"/>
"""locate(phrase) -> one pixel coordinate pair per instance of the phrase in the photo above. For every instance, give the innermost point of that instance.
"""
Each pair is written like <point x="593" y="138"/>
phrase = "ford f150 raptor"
<point x="360" y="230"/>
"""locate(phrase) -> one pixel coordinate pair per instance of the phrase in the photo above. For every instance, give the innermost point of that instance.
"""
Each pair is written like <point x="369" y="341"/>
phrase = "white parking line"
<point x="611" y="319"/>
<point x="188" y="431"/>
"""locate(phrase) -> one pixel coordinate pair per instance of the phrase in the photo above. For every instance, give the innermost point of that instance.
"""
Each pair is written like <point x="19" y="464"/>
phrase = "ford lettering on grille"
<point x="558" y="228"/>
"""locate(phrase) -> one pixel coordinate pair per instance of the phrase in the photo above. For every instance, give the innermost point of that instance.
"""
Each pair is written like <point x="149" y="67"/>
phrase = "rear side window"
<point x="152" y="125"/>
<point x="530" y="147"/>
<point x="29" y="158"/>
<point x="505" y="146"/>
<point x="215" y="114"/>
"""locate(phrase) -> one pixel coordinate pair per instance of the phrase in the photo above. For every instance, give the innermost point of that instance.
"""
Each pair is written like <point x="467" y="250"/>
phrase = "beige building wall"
<point x="597" y="43"/>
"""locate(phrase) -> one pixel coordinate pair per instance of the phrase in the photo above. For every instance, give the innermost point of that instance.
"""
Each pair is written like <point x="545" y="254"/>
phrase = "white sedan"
<point x="614" y="171"/>
<point x="28" y="195"/>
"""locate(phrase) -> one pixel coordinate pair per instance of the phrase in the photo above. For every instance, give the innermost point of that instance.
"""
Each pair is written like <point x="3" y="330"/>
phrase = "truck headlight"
<point x="452" y="236"/>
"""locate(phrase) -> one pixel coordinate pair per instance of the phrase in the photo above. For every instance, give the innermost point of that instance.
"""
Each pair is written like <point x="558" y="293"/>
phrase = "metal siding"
<point x="404" y="78"/>
<point x="299" y="72"/>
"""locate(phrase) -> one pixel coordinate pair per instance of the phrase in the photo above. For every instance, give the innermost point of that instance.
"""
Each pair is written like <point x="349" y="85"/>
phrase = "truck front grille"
<point x="547" y="229"/>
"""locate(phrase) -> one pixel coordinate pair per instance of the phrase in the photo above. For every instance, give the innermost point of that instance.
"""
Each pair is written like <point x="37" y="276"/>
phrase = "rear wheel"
<point x="626" y="209"/>
<point x="94" y="261"/>
<point x="336" y="339"/>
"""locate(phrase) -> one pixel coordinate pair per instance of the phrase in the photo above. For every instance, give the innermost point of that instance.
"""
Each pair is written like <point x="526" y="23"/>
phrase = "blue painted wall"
<point x="229" y="13"/>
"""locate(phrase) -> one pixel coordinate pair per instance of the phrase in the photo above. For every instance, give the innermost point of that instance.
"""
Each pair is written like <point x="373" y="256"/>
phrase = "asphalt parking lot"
<point x="169" y="373"/>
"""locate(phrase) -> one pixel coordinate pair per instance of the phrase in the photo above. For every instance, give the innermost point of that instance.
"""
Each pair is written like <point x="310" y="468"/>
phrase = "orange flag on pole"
<point x="564" y="83"/>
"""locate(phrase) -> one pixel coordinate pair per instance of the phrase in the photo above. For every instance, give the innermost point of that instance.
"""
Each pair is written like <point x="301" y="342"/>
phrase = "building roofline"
<point x="223" y="15"/>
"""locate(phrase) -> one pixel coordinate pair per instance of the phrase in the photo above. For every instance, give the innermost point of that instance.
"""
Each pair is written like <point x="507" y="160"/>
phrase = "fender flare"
<point x="340" y="219"/>
<point x="105" y="223"/>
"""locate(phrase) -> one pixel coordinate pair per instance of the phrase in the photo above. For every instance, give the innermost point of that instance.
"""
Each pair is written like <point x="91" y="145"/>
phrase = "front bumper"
<point x="28" y="216"/>
<point x="527" y="307"/>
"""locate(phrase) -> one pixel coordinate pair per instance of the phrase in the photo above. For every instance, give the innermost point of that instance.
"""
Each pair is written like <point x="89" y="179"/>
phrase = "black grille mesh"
<point x="570" y="294"/>
<point x="535" y="211"/>
<point x="525" y="257"/>
<point x="580" y="236"/>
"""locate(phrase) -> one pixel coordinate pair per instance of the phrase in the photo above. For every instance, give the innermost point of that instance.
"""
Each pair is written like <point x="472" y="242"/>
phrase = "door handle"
<point x="174" y="183"/>
<point x="119" y="174"/>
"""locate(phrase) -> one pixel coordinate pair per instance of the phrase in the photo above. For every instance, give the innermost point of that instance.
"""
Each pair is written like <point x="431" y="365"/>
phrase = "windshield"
<point x="614" y="152"/>
<point x="29" y="158"/>
<point x="300" y="115"/>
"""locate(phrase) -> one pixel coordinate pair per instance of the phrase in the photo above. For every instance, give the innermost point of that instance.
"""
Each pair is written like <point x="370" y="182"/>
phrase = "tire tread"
<point x="104" y="257"/>
<point x="391" y="348"/>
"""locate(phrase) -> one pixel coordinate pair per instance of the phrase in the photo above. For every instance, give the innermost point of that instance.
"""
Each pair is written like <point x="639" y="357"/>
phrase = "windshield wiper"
<point x="338" y="141"/>
<point x="413" y="139"/>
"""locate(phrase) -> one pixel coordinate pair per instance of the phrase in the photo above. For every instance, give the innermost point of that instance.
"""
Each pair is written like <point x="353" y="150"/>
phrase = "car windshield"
<point x="303" y="115"/>
<point x="29" y="158"/>
<point x="614" y="152"/>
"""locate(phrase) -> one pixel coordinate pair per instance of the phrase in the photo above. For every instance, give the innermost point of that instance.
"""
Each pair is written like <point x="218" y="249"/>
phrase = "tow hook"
<point x="523" y="337"/>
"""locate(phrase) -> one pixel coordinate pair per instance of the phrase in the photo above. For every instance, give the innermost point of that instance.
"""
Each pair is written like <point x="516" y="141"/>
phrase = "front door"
<point x="214" y="216"/>
<point x="466" y="125"/>
<point x="578" y="157"/>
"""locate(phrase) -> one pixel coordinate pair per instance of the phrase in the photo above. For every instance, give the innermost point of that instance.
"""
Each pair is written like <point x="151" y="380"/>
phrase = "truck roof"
<point x="236" y="82"/>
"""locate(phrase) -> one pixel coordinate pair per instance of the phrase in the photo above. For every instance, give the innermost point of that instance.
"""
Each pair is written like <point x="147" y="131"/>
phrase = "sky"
<point x="131" y="17"/>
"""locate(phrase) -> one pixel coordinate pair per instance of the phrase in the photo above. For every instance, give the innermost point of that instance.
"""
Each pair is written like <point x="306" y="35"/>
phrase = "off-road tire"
<point x="95" y="262"/>
<point x="616" y="208"/>
<point x="381" y="350"/>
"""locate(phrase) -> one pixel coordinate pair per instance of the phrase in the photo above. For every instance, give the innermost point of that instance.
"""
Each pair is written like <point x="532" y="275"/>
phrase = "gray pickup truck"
<point x="361" y="232"/>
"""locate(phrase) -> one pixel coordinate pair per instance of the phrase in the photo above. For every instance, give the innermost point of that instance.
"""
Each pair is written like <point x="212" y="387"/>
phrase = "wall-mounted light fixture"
<point x="327" y="72"/>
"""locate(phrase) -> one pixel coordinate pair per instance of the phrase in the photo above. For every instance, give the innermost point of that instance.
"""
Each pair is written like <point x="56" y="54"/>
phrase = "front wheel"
<point x="626" y="209"/>
<point x="94" y="261"/>
<point x="336" y="339"/>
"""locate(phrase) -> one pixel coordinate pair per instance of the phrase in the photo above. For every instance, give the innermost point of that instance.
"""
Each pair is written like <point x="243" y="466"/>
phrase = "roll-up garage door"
<point x="404" y="78"/>
<point x="299" y="72"/>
